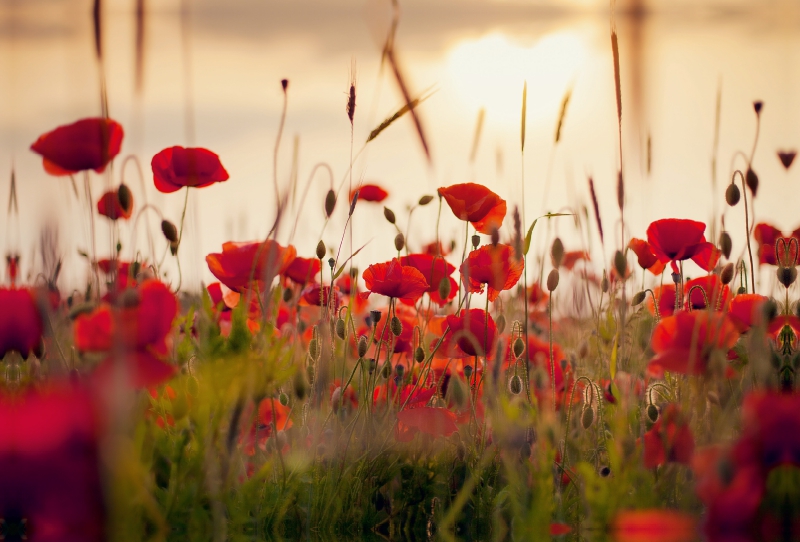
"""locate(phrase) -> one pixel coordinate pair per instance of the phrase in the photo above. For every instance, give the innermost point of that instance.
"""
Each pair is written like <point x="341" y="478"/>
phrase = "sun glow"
<point x="489" y="72"/>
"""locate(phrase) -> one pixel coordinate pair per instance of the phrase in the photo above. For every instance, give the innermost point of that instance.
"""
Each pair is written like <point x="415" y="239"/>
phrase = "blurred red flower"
<point x="86" y="144"/>
<point x="770" y="430"/>
<point x="176" y="167"/>
<point x="370" y="192"/>
<point x="437" y="422"/>
<point x="476" y="204"/>
<point x="135" y="333"/>
<point x="21" y="325"/>
<point x="302" y="270"/>
<point x="572" y="257"/>
<point x="646" y="257"/>
<point x="674" y="239"/>
<point x="241" y="264"/>
<point x="653" y="525"/>
<point x="393" y="279"/>
<point x="685" y="341"/>
<point x="493" y="265"/>
<point x="319" y="296"/>
<point x="666" y="300"/>
<point x="669" y="440"/>
<point x="766" y="236"/>
<point x="746" y="310"/>
<point x="718" y="294"/>
<point x="116" y="204"/>
<point x="472" y="333"/>
<point x="434" y="269"/>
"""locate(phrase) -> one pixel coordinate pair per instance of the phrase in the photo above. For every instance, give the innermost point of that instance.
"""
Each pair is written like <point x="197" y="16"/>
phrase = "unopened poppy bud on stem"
<point x="587" y="418"/>
<point x="725" y="244"/>
<point x="652" y="413"/>
<point x="170" y="231"/>
<point x="476" y="240"/>
<point x="515" y="385"/>
<point x="620" y="264"/>
<point x="330" y="202"/>
<point x="425" y="200"/>
<point x="732" y="195"/>
<point x="374" y="317"/>
<point x="468" y="370"/>
<point x="419" y="355"/>
<point x="638" y="298"/>
<point x="124" y="196"/>
<point x="786" y="275"/>
<point x="726" y="276"/>
<point x="519" y="347"/>
<point x="552" y="280"/>
<point x="389" y="215"/>
<point x="340" y="329"/>
<point x="751" y="179"/>
<point x="320" y="250"/>
<point x="396" y="326"/>
<point x="444" y="288"/>
<point x="557" y="252"/>
<point x="399" y="242"/>
<point x="501" y="324"/>
<point x="362" y="346"/>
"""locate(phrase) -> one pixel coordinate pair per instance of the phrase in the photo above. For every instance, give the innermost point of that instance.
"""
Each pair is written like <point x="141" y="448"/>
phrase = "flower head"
<point x="176" y="167"/>
<point x="685" y="342"/>
<point x="472" y="333"/>
<point x="476" y="204"/>
<point x="302" y="270"/>
<point x="435" y="270"/>
<point x="86" y="144"/>
<point x="393" y="279"/>
<point x="116" y="204"/>
<point x="241" y="264"/>
<point x="21" y="325"/>
<point x="370" y="192"/>
<point x="675" y="239"/>
<point x="492" y="265"/>
<point x="669" y="440"/>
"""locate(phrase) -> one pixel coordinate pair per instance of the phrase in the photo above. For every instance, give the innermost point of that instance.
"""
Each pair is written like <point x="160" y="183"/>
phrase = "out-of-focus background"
<point x="207" y="73"/>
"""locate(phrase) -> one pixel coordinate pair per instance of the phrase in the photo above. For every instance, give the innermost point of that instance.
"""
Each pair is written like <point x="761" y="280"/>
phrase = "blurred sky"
<point x="221" y="62"/>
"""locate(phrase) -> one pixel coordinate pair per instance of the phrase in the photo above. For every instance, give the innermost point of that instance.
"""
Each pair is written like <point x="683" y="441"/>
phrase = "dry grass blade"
<point x="97" y="13"/>
<point x="399" y="113"/>
<point x="524" y="115"/>
<point x="617" y="87"/>
<point x="596" y="209"/>
<point x="407" y="97"/>
<point x="477" y="137"/>
<point x="139" y="59"/>
<point x="12" y="194"/>
<point x="563" y="113"/>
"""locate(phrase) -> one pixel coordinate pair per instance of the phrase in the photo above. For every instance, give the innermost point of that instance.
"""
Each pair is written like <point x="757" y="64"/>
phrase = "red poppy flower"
<point x="766" y="236"/>
<point x="472" y="333"/>
<point x="537" y="295"/>
<point x="669" y="440"/>
<point x="137" y="332"/>
<point x="666" y="300"/>
<point x="370" y="192"/>
<point x="646" y="257"/>
<point x="176" y="167"/>
<point x="493" y="265"/>
<point x="476" y="204"/>
<point x="570" y="258"/>
<point x="437" y="249"/>
<point x="718" y="294"/>
<point x="746" y="310"/>
<point x="50" y="467"/>
<point x="393" y="279"/>
<point x="653" y="525"/>
<point x="302" y="270"/>
<point x="116" y="204"/>
<point x="86" y="144"/>
<point x="685" y="342"/>
<point x="403" y="342"/>
<point x="770" y="430"/>
<point x="674" y="239"/>
<point x="434" y="269"/>
<point x="240" y="264"/>
<point x="319" y="296"/>
<point x="437" y="422"/>
<point x="21" y="324"/>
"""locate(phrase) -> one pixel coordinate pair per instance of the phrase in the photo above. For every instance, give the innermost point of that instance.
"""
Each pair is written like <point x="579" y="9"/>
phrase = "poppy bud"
<point x="552" y="280"/>
<point x="587" y="418"/>
<point x="400" y="371"/>
<point x="444" y="287"/>
<point x="726" y="276"/>
<point x="374" y="317"/>
<point x="732" y="194"/>
<point x="757" y="105"/>
<point x="320" y="250"/>
<point x="125" y="197"/>
<point x="425" y="200"/>
<point x="604" y="283"/>
<point x="741" y="290"/>
<point x="173" y="248"/>
<point x="786" y="275"/>
<point x="362" y="346"/>
<point x="283" y="399"/>
<point x="638" y="298"/>
<point x="751" y="179"/>
<point x="620" y="264"/>
<point x="340" y="328"/>
<point x="330" y="202"/>
<point x="515" y="385"/>
<point x="284" y="84"/>
<point x="725" y="244"/>
<point x="495" y="236"/>
<point x="170" y="231"/>
<point x="605" y="471"/>
<point x="500" y="323"/>
<point x="371" y="366"/>
<point x="519" y="347"/>
<point x="386" y="371"/>
<point x="396" y="326"/>
<point x="557" y="252"/>
<point x="299" y="385"/>
<point x="771" y="310"/>
<point x="336" y="399"/>
<point x="468" y="370"/>
<point x="399" y="242"/>
<point x="676" y="277"/>
<point x="389" y="215"/>
<point x="310" y="374"/>
<point x="287" y="295"/>
<point x="313" y="349"/>
<point x="130" y="298"/>
<point x="652" y="413"/>
<point x="331" y="263"/>
<point x="476" y="240"/>
<point x="419" y="355"/>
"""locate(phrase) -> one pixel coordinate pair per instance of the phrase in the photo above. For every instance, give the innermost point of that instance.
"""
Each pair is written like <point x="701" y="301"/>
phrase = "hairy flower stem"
<point x="552" y="360"/>
<point x="747" y="224"/>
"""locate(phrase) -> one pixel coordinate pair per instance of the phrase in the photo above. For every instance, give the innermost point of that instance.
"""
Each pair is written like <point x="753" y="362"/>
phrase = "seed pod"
<point x="604" y="284"/>
<point x="500" y="323"/>
<point x="757" y="106"/>
<point x="638" y="298"/>
<point x="330" y="202"/>
<point x="726" y="275"/>
<point x="374" y="317"/>
<point x="389" y="215"/>
<point x="396" y="326"/>
<point x="331" y="262"/>
<point x="399" y="242"/>
<point x="419" y="355"/>
<point x="284" y="84"/>
<point x="732" y="194"/>
<point x="786" y="275"/>
<point x="386" y="371"/>
<point x="400" y="371"/>
<point x="620" y="264"/>
<point x="444" y="288"/>
<point x="170" y="231"/>
<point x="371" y="367"/>
<point x="320" y="250"/>
<point x="605" y="471"/>
<point x="725" y="244"/>
<point x="313" y="349"/>
<point x="476" y="240"/>
<point x="125" y="197"/>
<point x="557" y="252"/>
<point x="310" y="374"/>
<point x="283" y="399"/>
<point x="300" y="386"/>
<point x="515" y="385"/>
<point x="552" y="280"/>
<point x="287" y="295"/>
<point x="519" y="347"/>
<point x="741" y="290"/>
<point x="652" y="413"/>
<point x="587" y="418"/>
<point x="362" y="346"/>
<point x="751" y="180"/>
<point x="340" y="329"/>
<point x="467" y="371"/>
<point x="425" y="200"/>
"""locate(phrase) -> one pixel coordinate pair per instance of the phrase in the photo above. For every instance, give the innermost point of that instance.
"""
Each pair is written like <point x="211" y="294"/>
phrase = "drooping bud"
<point x="389" y="215"/>
<point x="726" y="276"/>
<point x="770" y="310"/>
<point x="283" y="399"/>
<point x="741" y="290"/>
<point x="125" y="197"/>
<point x="330" y="202"/>
<point x="557" y="252"/>
<point x="444" y="287"/>
<point x="372" y="365"/>
<point x="425" y="200"/>
<point x="725" y="244"/>
<point x="386" y="371"/>
<point x="501" y="324"/>
<point x="652" y="413"/>
<point x="396" y="326"/>
<point x="620" y="264"/>
<point x="362" y="346"/>
<point x="340" y="329"/>
<point x="419" y="355"/>
<point x="287" y="295"/>
<point x="605" y="471"/>
<point x="468" y="370"/>
<point x="399" y="242"/>
<point x="320" y="250"/>
<point x="519" y="347"/>
<point x="515" y="385"/>
<point x="476" y="240"/>
<point x="170" y="231"/>
<point x="284" y="84"/>
<point x="638" y="298"/>
<point x="751" y="179"/>
<point x="587" y="418"/>
<point x="786" y="275"/>
<point x="552" y="280"/>
<point x="732" y="194"/>
<point x="757" y="106"/>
